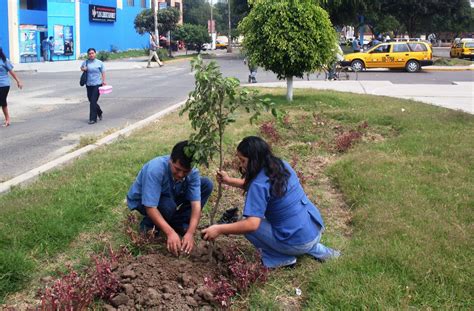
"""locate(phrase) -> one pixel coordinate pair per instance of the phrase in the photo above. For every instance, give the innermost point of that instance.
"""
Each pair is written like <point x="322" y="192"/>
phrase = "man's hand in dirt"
<point x="211" y="233"/>
<point x="187" y="244"/>
<point x="173" y="244"/>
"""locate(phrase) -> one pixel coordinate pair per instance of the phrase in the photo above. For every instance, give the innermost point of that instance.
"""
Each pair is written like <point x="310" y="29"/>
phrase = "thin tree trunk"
<point x="219" y="186"/>
<point x="289" y="89"/>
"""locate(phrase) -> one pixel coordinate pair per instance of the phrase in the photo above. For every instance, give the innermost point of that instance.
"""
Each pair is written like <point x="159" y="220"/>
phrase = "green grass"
<point x="442" y="61"/>
<point x="409" y="194"/>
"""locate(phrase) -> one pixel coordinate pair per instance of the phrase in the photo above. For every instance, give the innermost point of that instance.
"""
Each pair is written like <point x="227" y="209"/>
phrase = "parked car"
<point x="462" y="49"/>
<point x="409" y="55"/>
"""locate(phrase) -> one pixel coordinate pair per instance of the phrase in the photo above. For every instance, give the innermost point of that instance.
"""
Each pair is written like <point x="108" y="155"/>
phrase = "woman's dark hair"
<point x="2" y="55"/>
<point x="178" y="154"/>
<point x="260" y="157"/>
<point x="91" y="49"/>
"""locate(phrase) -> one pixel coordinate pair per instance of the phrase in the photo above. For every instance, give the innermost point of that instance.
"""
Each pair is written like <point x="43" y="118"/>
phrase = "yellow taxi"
<point x="462" y="49"/>
<point x="410" y="55"/>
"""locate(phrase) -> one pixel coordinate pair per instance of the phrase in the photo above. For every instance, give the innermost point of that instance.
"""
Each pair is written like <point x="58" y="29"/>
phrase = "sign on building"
<point x="102" y="14"/>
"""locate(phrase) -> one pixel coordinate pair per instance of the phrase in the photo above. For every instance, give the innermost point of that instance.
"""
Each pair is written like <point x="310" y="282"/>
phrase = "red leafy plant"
<point x="269" y="131"/>
<point x="74" y="291"/>
<point x="346" y="140"/>
<point x="242" y="273"/>
<point x="138" y="238"/>
<point x="222" y="290"/>
<point x="301" y="176"/>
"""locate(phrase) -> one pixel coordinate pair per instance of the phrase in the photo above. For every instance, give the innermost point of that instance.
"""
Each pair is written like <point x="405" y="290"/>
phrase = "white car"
<point x="207" y="46"/>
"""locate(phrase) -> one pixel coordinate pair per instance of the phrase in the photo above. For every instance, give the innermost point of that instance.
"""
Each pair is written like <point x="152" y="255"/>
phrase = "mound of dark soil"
<point x="160" y="281"/>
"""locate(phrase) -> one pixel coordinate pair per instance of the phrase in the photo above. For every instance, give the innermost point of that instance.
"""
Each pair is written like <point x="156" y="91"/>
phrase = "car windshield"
<point x="469" y="44"/>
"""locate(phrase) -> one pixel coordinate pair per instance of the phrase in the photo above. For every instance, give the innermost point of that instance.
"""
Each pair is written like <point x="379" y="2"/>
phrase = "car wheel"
<point x="412" y="66"/>
<point x="357" y="65"/>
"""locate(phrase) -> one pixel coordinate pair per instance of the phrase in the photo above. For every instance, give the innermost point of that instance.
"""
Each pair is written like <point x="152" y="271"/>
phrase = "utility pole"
<point x="213" y="36"/>
<point x="155" y="10"/>
<point x="229" y="41"/>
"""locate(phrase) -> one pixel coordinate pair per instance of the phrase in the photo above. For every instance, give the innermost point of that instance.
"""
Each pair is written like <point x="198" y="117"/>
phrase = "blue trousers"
<point x="93" y="97"/>
<point x="276" y="254"/>
<point x="177" y="211"/>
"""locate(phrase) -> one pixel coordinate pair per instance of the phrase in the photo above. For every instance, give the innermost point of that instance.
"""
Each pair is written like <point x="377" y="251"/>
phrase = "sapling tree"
<point x="211" y="107"/>
<point x="289" y="38"/>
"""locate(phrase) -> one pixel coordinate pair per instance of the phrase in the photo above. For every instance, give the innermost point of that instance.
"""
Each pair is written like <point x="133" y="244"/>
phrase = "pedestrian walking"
<point x="153" y="48"/>
<point x="252" y="70"/>
<point x="45" y="49"/>
<point x="51" y="48"/>
<point x="355" y="46"/>
<point x="95" y="79"/>
<point x="6" y="68"/>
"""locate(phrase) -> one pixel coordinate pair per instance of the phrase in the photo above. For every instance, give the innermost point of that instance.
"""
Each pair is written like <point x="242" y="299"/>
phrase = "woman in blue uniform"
<point x="279" y="219"/>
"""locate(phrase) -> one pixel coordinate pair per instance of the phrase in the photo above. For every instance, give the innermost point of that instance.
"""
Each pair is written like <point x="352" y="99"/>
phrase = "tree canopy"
<point x="288" y="37"/>
<point x="167" y="20"/>
<point x="194" y="36"/>
<point x="412" y="16"/>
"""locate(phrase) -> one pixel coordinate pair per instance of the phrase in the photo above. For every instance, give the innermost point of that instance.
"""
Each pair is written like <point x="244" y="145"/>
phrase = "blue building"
<point x="75" y="26"/>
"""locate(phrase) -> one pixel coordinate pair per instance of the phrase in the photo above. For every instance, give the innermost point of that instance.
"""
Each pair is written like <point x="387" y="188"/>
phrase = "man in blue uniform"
<point x="169" y="193"/>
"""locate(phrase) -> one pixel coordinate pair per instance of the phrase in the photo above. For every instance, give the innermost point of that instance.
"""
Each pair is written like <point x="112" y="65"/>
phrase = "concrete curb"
<point x="447" y="68"/>
<point x="31" y="175"/>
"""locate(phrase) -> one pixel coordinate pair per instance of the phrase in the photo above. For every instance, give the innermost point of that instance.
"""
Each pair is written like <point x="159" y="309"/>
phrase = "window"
<point x="143" y="3"/>
<point x="417" y="47"/>
<point x="400" y="48"/>
<point x="177" y="5"/>
<point x="131" y="2"/>
<point x="384" y="48"/>
<point x="33" y="5"/>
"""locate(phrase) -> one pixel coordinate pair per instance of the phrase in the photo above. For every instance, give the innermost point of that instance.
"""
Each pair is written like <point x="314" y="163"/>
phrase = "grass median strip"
<point x="406" y="231"/>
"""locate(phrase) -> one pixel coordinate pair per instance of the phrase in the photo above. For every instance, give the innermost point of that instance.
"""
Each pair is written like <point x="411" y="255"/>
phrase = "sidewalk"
<point x="74" y="65"/>
<point x="458" y="96"/>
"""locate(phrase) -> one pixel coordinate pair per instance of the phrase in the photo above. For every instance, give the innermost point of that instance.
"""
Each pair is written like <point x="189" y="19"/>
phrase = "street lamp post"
<point x="229" y="41"/>
<point x="213" y="36"/>
<point x="155" y="10"/>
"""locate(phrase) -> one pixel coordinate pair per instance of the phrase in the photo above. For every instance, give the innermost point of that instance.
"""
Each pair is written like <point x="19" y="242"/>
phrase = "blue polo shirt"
<point x="5" y="67"/>
<point x="295" y="220"/>
<point x="156" y="180"/>
<point x="94" y="71"/>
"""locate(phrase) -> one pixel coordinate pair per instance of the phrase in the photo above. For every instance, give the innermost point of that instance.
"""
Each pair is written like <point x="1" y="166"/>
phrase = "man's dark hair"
<point x="51" y="37"/>
<point x="178" y="153"/>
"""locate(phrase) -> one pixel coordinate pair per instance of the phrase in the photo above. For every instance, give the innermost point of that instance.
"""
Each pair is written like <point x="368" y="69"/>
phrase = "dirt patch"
<point x="160" y="281"/>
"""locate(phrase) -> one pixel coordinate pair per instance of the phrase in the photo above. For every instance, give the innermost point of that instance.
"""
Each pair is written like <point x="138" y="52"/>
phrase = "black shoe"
<point x="100" y="116"/>
<point x="229" y="216"/>
<point x="92" y="122"/>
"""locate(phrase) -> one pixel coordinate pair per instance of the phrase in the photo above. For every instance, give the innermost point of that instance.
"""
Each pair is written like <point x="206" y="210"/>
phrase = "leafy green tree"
<point x="196" y="12"/>
<point x="167" y="20"/>
<point x="288" y="38"/>
<point x="211" y="108"/>
<point x="194" y="36"/>
<point x="412" y="16"/>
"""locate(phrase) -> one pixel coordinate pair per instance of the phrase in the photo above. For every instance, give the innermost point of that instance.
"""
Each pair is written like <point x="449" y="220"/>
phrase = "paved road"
<point x="50" y="114"/>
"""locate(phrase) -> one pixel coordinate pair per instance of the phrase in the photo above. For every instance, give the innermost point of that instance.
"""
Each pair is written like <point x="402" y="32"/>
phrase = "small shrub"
<point x="346" y="140"/>
<point x="103" y="55"/>
<point x="222" y="291"/>
<point x="300" y="174"/>
<point x="74" y="291"/>
<point x="269" y="131"/>
<point x="242" y="274"/>
<point x="245" y="273"/>
<point x="114" y="48"/>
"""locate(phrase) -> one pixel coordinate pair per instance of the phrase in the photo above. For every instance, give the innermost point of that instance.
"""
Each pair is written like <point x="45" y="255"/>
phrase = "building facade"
<point x="75" y="26"/>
